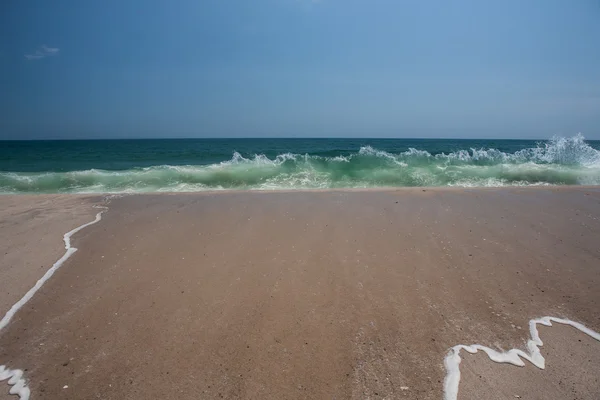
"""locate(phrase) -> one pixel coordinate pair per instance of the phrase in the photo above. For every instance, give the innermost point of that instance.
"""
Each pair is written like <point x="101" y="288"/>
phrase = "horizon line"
<point x="279" y="138"/>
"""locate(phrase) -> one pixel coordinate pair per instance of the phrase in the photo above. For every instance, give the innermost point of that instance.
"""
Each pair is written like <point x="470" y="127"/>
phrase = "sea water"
<point x="180" y="165"/>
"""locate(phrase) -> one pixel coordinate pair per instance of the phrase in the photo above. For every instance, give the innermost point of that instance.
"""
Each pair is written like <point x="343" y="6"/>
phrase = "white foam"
<point x="15" y="376"/>
<point x="16" y="380"/>
<point x="513" y="356"/>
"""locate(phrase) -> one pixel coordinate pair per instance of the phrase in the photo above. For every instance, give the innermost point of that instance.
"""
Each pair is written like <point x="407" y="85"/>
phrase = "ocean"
<point x="187" y="165"/>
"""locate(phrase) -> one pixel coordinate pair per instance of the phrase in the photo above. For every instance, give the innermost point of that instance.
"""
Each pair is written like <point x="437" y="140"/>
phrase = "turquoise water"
<point x="116" y="166"/>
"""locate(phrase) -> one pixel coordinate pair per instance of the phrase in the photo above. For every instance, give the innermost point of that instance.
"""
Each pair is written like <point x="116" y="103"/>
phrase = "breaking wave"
<point x="560" y="161"/>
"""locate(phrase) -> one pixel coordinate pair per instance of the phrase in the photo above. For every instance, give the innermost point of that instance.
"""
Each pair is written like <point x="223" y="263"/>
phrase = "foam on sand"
<point x="16" y="380"/>
<point x="15" y="376"/>
<point x="513" y="356"/>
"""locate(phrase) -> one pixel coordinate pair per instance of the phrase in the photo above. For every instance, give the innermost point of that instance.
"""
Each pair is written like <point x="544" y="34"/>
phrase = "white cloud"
<point x="42" y="52"/>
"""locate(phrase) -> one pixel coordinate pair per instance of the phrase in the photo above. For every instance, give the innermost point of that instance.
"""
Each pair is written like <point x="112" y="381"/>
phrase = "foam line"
<point x="15" y="376"/>
<point x="513" y="356"/>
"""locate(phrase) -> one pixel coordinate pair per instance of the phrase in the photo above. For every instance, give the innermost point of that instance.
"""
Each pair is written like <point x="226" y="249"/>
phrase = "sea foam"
<point x="513" y="356"/>
<point x="15" y="376"/>
<point x="559" y="161"/>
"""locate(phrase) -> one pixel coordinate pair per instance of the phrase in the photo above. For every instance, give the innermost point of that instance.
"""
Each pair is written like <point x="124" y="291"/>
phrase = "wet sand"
<point x="31" y="238"/>
<point x="316" y="295"/>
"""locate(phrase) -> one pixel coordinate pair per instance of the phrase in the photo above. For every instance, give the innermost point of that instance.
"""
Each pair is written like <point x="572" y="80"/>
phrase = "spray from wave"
<point x="560" y="161"/>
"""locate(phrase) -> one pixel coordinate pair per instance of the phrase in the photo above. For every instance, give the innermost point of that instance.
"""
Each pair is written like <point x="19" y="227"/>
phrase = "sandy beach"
<point x="302" y="295"/>
<point x="31" y="237"/>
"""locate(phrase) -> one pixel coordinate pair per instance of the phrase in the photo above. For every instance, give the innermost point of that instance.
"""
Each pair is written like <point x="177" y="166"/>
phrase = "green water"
<point x="271" y="164"/>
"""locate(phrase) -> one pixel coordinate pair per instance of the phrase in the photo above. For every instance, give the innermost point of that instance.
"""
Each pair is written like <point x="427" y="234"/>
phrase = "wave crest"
<point x="558" y="161"/>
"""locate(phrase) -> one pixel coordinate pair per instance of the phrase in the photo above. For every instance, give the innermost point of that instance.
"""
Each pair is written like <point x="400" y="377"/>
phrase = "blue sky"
<point x="350" y="68"/>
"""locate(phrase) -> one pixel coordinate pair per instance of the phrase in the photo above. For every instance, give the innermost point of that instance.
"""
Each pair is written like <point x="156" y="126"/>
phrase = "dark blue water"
<point x="207" y="164"/>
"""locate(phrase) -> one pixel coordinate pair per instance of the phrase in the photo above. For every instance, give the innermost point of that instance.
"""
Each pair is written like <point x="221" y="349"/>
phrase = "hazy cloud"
<point x="42" y="52"/>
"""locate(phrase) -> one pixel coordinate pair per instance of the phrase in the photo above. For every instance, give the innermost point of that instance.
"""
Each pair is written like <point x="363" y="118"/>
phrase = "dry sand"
<point x="315" y="295"/>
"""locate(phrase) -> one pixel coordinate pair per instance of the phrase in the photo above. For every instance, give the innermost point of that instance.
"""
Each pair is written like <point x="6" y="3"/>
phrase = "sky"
<point x="72" y="69"/>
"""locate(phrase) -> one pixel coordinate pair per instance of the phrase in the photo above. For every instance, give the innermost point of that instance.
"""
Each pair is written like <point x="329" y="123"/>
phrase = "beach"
<point x="334" y="294"/>
<point x="31" y="237"/>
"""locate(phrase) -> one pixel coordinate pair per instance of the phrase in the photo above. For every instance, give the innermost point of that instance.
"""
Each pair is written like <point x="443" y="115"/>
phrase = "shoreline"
<point x="280" y="265"/>
<point x="316" y="190"/>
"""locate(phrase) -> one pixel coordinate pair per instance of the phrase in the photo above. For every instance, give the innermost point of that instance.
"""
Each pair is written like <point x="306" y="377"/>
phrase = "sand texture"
<point x="31" y="238"/>
<point x="309" y="295"/>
